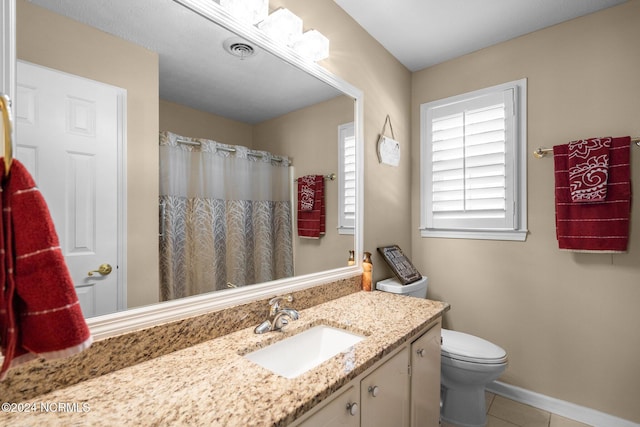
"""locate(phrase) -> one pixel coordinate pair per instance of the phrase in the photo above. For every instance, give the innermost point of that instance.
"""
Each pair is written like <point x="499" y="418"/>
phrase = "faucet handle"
<point x="279" y="323"/>
<point x="275" y="303"/>
<point x="263" y="327"/>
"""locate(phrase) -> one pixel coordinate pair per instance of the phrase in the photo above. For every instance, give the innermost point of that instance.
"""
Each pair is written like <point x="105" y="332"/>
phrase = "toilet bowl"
<point x="468" y="364"/>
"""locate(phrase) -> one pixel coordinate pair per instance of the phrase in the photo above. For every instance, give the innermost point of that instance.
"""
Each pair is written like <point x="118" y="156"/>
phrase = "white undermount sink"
<point x="298" y="354"/>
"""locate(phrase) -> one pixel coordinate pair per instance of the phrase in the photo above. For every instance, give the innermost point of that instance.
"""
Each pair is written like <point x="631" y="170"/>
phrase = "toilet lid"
<point x="469" y="348"/>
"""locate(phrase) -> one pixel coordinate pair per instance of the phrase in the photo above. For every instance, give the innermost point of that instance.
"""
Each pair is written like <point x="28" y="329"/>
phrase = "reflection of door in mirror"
<point x="50" y="40"/>
<point x="69" y="142"/>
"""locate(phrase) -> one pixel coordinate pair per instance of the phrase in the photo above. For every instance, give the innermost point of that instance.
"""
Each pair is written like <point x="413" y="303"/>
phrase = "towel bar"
<point x="329" y="177"/>
<point x="541" y="152"/>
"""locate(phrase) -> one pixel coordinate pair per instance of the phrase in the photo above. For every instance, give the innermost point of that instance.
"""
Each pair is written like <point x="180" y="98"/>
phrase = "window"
<point x="473" y="164"/>
<point x="346" y="178"/>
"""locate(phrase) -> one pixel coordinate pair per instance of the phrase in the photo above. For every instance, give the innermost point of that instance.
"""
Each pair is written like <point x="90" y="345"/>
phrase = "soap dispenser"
<point x="367" y="267"/>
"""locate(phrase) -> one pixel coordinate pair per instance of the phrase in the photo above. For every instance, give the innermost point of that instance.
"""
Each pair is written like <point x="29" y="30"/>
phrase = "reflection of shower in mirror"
<point x="226" y="216"/>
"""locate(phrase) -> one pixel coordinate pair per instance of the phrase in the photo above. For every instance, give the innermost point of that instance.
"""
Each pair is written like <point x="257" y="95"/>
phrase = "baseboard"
<point x="560" y="407"/>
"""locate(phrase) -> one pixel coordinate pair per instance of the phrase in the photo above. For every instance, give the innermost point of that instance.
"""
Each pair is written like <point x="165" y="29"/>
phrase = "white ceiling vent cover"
<point x="239" y="47"/>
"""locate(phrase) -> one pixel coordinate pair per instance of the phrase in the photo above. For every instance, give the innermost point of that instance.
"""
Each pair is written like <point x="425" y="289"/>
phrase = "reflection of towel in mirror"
<point x="311" y="223"/>
<point x="40" y="314"/>
<point x="306" y="192"/>
<point x="597" y="226"/>
<point x="589" y="169"/>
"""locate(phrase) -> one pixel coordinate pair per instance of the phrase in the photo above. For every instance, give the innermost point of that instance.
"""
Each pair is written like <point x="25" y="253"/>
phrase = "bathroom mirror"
<point x="259" y="99"/>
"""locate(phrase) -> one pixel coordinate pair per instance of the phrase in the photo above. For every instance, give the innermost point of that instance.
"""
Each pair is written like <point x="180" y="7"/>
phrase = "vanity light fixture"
<point x="249" y="11"/>
<point x="282" y="26"/>
<point x="285" y="28"/>
<point x="312" y="45"/>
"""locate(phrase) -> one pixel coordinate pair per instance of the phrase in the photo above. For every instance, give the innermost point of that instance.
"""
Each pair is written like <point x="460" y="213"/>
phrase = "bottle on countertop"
<point x="367" y="267"/>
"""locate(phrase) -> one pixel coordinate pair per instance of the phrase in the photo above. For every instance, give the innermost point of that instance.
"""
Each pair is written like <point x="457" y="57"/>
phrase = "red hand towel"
<point x="306" y="192"/>
<point x="311" y="224"/>
<point x="589" y="169"/>
<point x="595" y="227"/>
<point x="40" y="313"/>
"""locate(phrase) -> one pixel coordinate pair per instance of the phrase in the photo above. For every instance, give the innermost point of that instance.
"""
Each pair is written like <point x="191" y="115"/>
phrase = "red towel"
<point x="311" y="224"/>
<point x="306" y="192"/>
<point x="599" y="226"/>
<point x="40" y="313"/>
<point x="589" y="169"/>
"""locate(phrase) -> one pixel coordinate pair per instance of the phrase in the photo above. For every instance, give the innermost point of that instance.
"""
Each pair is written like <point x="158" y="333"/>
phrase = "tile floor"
<point x="503" y="412"/>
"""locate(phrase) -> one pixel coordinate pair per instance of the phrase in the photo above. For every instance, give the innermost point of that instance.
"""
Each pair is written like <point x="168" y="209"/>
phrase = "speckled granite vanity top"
<point x="212" y="384"/>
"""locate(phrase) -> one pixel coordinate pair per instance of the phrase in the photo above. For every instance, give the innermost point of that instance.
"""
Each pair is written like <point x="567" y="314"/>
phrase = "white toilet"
<point x="468" y="364"/>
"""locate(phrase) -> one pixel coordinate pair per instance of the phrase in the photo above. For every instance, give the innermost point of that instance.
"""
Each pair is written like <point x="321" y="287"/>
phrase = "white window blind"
<point x="347" y="178"/>
<point x="470" y="162"/>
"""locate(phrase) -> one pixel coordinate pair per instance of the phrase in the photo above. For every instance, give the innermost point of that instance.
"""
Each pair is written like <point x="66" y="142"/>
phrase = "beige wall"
<point x="60" y="43"/>
<point x="357" y="58"/>
<point x="187" y="121"/>
<point x="310" y="138"/>
<point x="569" y="321"/>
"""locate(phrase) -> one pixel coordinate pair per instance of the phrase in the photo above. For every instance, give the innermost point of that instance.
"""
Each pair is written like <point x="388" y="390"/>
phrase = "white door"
<point x="68" y="138"/>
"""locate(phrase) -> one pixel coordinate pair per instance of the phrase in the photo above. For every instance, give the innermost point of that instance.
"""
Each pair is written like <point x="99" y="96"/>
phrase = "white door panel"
<point x="68" y="138"/>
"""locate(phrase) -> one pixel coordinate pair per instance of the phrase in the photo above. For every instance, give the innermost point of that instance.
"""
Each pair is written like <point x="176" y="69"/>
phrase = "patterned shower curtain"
<point x="225" y="217"/>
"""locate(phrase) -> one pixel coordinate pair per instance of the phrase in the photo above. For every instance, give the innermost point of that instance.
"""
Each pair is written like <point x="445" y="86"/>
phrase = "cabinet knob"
<point x="420" y="352"/>
<point x="374" y="390"/>
<point x="352" y="408"/>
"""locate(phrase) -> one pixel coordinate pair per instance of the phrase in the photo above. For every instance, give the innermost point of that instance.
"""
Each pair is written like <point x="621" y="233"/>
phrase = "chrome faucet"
<point x="280" y="317"/>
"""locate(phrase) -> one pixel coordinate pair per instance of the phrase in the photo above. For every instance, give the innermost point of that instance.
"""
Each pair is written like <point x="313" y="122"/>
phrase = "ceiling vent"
<point x="238" y="47"/>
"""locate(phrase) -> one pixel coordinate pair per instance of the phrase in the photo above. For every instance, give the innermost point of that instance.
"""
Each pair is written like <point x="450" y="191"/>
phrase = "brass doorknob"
<point x="104" y="269"/>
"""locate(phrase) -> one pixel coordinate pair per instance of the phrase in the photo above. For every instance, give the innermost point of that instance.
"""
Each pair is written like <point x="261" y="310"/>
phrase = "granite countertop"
<point x="212" y="384"/>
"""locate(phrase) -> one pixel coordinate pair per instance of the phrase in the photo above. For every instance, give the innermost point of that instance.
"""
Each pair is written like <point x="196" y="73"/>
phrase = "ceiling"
<point x="422" y="33"/>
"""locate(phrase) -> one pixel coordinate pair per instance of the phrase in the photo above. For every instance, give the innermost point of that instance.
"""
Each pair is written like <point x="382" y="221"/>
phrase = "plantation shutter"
<point x="470" y="183"/>
<point x="347" y="177"/>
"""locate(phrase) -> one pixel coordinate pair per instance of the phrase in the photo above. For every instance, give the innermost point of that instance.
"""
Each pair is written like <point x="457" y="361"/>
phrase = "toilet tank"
<point x="416" y="289"/>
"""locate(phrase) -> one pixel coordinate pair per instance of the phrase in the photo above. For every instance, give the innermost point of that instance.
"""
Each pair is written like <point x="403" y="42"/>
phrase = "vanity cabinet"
<point x="402" y="389"/>
<point x="384" y="393"/>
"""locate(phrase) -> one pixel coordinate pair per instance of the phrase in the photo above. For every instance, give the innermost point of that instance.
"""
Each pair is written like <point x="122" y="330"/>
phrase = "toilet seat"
<point x="469" y="348"/>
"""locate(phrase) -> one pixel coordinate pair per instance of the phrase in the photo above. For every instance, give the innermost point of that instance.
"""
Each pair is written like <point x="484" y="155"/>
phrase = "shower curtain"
<point x="225" y="217"/>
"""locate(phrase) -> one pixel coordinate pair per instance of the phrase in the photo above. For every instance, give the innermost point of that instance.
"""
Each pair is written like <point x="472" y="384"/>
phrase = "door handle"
<point x="104" y="269"/>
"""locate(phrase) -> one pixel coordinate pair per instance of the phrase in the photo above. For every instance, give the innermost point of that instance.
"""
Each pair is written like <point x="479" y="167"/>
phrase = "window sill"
<point x="510" y="235"/>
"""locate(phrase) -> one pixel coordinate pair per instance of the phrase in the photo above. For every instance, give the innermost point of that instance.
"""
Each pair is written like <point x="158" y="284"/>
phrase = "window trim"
<point x="345" y="226"/>
<point x="518" y="162"/>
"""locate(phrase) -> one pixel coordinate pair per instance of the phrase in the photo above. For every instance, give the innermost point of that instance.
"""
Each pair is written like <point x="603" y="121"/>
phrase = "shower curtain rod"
<point x="227" y="149"/>
<point x="541" y="152"/>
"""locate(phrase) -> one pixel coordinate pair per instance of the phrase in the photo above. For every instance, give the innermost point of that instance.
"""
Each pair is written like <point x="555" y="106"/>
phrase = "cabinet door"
<point x="342" y="410"/>
<point x="384" y="393"/>
<point x="425" y="379"/>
